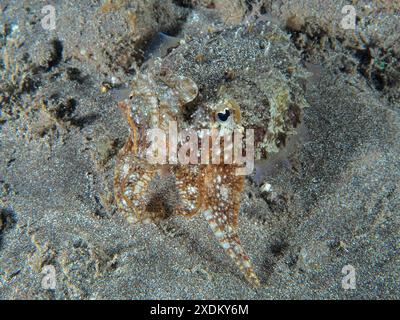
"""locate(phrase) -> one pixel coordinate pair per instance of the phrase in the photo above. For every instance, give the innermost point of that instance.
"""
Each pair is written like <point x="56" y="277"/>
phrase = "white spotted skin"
<point x="213" y="190"/>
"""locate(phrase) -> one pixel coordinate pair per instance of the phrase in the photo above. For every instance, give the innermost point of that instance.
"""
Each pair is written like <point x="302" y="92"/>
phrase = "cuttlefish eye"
<point x="224" y="116"/>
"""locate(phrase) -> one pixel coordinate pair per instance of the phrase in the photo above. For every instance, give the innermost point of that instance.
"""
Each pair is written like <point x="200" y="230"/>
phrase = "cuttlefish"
<point x="212" y="189"/>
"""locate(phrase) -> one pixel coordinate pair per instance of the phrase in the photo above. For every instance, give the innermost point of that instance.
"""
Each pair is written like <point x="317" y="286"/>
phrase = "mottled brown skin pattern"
<point x="221" y="212"/>
<point x="213" y="190"/>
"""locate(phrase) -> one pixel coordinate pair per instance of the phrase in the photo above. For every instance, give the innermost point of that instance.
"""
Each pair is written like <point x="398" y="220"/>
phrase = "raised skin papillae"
<point x="212" y="190"/>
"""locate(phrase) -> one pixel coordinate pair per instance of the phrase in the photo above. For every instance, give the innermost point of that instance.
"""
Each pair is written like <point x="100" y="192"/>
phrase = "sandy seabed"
<point x="336" y="195"/>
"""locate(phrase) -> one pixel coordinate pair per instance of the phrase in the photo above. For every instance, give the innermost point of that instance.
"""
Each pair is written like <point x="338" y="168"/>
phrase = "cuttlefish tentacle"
<point x="188" y="185"/>
<point x="132" y="178"/>
<point x="221" y="210"/>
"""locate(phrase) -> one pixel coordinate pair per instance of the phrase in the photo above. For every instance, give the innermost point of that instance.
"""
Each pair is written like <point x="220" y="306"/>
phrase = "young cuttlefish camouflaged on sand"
<point x="247" y="78"/>
<point x="213" y="190"/>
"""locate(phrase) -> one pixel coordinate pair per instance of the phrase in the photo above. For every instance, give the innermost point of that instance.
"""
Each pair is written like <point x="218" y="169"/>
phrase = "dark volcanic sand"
<point x="336" y="196"/>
